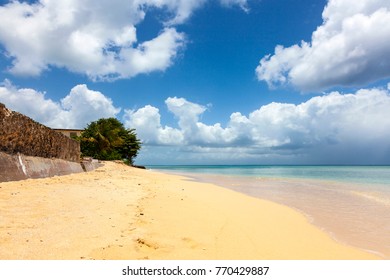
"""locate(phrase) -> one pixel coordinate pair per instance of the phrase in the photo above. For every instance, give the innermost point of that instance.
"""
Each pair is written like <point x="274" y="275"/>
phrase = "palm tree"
<point x="107" y="139"/>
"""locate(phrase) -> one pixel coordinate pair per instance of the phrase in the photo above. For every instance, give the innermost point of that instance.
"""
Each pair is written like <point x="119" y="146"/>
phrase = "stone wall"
<point x="20" y="134"/>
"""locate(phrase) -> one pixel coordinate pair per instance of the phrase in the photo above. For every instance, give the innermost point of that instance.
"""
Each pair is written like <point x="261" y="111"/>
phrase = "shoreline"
<point x="117" y="212"/>
<point x="362" y="214"/>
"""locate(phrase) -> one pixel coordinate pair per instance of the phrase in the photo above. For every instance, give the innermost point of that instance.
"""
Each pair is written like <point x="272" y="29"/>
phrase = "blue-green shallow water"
<point x="351" y="203"/>
<point x="355" y="174"/>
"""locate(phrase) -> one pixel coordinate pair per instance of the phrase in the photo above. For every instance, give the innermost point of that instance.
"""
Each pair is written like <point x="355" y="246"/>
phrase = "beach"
<point x="118" y="212"/>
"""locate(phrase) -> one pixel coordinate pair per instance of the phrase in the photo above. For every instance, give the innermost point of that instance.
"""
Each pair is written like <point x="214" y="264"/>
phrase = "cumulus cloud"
<point x="83" y="37"/>
<point x="332" y="128"/>
<point x="348" y="49"/>
<point x="187" y="114"/>
<point x="76" y="110"/>
<point x="148" y="126"/>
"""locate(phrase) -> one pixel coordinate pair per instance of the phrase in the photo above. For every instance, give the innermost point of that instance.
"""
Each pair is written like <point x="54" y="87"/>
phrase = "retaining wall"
<point x="20" y="167"/>
<point x="29" y="149"/>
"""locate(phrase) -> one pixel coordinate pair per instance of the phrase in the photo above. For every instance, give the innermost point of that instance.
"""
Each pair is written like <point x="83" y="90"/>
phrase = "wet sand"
<point x="118" y="212"/>
<point x="358" y="215"/>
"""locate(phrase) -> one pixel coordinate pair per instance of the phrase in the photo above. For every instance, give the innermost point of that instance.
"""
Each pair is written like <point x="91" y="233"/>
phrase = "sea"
<point x="350" y="203"/>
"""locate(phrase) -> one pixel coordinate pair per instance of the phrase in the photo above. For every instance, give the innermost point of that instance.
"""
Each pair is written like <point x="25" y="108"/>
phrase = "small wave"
<point x="373" y="196"/>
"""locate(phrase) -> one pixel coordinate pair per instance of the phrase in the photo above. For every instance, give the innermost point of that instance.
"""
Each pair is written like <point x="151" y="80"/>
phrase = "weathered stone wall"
<point x="20" y="134"/>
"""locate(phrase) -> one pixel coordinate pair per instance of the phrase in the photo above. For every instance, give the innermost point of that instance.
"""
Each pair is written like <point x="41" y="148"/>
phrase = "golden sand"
<point x="118" y="212"/>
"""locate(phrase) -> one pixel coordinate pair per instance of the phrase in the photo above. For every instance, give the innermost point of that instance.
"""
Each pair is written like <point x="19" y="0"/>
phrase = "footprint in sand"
<point x="147" y="244"/>
<point x="190" y="242"/>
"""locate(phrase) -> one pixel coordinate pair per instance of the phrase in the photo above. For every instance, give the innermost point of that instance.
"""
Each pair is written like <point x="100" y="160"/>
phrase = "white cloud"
<point x="83" y="37"/>
<point x="332" y="128"/>
<point x="83" y="105"/>
<point x="76" y="110"/>
<point x="152" y="55"/>
<point x="182" y="9"/>
<point x="149" y="129"/>
<point x="348" y="49"/>
<point x="243" y="4"/>
<point x="187" y="114"/>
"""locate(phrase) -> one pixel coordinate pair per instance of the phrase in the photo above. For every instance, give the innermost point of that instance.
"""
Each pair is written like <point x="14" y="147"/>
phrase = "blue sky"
<point x="210" y="81"/>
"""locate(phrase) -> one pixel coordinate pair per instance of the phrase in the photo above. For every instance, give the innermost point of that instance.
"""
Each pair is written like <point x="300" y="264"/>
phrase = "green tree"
<point x="108" y="139"/>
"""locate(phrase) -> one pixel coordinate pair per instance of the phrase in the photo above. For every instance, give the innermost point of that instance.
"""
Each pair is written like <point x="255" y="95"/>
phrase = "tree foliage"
<point x="108" y="139"/>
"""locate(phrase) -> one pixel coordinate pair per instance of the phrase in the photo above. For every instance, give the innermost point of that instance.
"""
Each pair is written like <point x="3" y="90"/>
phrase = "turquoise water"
<point x="351" y="203"/>
<point x="355" y="174"/>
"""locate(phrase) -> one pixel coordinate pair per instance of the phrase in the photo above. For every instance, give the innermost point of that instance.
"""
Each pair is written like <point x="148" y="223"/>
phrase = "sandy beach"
<point x="117" y="212"/>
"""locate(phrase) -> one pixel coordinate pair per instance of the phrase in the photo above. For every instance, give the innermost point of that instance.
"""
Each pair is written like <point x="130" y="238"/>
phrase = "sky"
<point x="208" y="81"/>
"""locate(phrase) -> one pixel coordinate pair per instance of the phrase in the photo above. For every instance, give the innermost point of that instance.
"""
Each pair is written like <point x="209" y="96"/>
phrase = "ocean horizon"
<point x="364" y="174"/>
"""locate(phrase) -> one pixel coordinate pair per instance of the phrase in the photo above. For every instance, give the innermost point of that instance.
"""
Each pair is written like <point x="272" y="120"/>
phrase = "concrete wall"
<point x="20" y="167"/>
<point x="20" y="134"/>
<point x="89" y="164"/>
